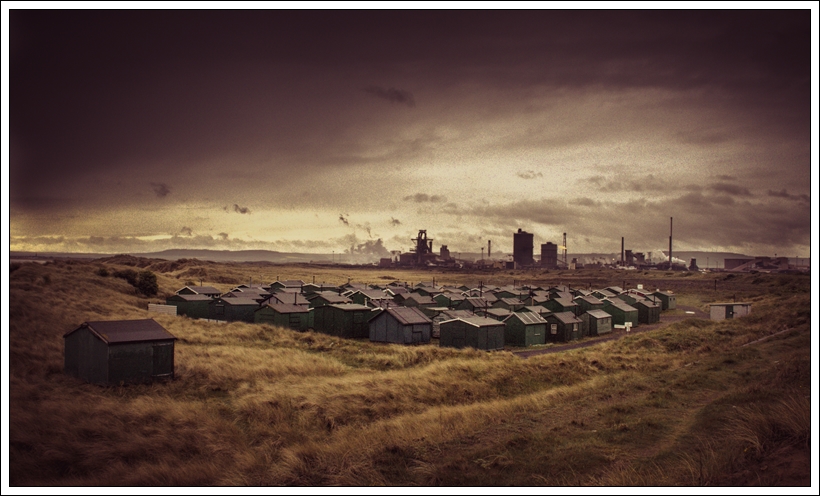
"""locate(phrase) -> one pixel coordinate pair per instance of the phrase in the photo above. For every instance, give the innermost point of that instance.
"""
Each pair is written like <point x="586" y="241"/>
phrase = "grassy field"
<point x="694" y="403"/>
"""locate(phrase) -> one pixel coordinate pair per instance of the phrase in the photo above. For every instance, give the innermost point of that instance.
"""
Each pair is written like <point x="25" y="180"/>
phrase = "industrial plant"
<point x="553" y="256"/>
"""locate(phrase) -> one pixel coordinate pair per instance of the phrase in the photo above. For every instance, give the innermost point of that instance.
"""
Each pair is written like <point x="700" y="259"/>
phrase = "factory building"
<point x="522" y="248"/>
<point x="549" y="255"/>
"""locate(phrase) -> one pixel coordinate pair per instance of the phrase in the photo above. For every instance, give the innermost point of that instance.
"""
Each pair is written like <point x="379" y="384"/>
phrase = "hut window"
<point x="554" y="328"/>
<point x="574" y="327"/>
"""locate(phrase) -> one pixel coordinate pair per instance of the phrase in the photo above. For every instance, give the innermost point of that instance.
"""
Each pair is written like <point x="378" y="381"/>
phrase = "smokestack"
<point x="670" y="243"/>
<point x="489" y="248"/>
<point x="622" y="250"/>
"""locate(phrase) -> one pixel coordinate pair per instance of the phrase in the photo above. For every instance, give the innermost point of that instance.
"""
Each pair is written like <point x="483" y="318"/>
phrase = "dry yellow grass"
<point x="260" y="405"/>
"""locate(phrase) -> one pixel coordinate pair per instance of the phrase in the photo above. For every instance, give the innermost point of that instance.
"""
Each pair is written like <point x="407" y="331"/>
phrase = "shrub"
<point x="147" y="283"/>
<point x="130" y="275"/>
<point x="102" y="272"/>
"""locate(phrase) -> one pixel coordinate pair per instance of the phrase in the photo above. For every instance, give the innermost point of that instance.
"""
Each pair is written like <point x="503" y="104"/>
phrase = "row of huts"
<point x="481" y="317"/>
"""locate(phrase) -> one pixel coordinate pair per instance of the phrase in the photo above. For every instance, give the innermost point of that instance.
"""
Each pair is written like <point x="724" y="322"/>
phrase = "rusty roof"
<point x="125" y="331"/>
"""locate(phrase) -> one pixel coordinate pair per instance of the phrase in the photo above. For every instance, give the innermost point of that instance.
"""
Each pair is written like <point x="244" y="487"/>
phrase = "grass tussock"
<point x="686" y="404"/>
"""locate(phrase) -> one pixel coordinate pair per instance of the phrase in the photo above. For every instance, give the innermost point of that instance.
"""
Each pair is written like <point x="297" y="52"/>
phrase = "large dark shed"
<point x="648" y="311"/>
<point x="119" y="351"/>
<point x="294" y="317"/>
<point x="596" y="322"/>
<point x="621" y="312"/>
<point x="667" y="299"/>
<point x="194" y="306"/>
<point x="347" y="320"/>
<point x="232" y="309"/>
<point x="563" y="326"/>
<point x="478" y="332"/>
<point x="525" y="329"/>
<point x="402" y="325"/>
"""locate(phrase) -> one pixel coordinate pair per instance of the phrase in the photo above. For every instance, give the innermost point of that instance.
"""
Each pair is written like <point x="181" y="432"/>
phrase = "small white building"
<point x="720" y="311"/>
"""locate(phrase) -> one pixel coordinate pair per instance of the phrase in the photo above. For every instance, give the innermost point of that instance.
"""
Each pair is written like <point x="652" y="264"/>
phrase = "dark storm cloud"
<point x="160" y="189"/>
<point x="236" y="208"/>
<point x="731" y="189"/>
<point x="785" y="194"/>
<point x="223" y="236"/>
<point x="393" y="95"/>
<point x="425" y="198"/>
<point x="529" y="174"/>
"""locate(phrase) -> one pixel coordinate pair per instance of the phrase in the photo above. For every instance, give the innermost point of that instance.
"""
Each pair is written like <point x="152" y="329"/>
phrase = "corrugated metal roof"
<point x="408" y="315"/>
<point x="538" y="309"/>
<point x="285" y="308"/>
<point x="566" y="317"/>
<point x="599" y="314"/>
<point x="527" y="318"/>
<point x="349" y="307"/>
<point x="239" y="301"/>
<point x="590" y="299"/>
<point x="621" y="305"/>
<point x="481" y="321"/>
<point x="454" y="314"/>
<point x="203" y="289"/>
<point x="498" y="311"/>
<point x="193" y="297"/>
<point x="126" y="331"/>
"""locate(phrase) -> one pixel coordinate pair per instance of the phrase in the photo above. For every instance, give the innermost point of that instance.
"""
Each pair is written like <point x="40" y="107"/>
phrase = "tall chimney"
<point x="489" y="248"/>
<point x="622" y="250"/>
<point x="670" y="243"/>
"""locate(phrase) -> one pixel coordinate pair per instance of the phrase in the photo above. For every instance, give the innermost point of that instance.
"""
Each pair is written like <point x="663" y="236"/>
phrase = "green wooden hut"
<point x="495" y="313"/>
<point x="323" y="298"/>
<point x="401" y="325"/>
<point x="194" y="306"/>
<point x="563" y="326"/>
<point x="480" y="333"/>
<point x="621" y="312"/>
<point x="119" y="351"/>
<point x="525" y="329"/>
<point x="667" y="299"/>
<point x="294" y="317"/>
<point x="587" y="303"/>
<point x="596" y="323"/>
<point x="649" y="312"/>
<point x="559" y="305"/>
<point x="200" y="290"/>
<point x="512" y="304"/>
<point x="232" y="309"/>
<point x="346" y="320"/>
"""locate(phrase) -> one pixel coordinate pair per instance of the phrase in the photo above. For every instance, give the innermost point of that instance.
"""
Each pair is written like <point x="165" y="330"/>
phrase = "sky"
<point x="320" y="131"/>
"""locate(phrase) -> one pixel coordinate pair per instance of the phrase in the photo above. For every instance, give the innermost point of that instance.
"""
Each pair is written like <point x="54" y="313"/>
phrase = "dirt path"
<point x="619" y="333"/>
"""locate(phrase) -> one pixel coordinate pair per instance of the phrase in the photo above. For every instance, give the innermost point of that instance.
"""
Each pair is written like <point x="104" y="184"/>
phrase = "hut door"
<point x="163" y="360"/>
<point x="730" y="311"/>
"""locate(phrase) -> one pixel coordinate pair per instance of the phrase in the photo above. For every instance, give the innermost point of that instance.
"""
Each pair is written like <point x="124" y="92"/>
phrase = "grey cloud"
<point x="223" y="235"/>
<point x="241" y="210"/>
<point x="785" y="194"/>
<point x="343" y="220"/>
<point x="423" y="197"/>
<point x="584" y="202"/>
<point x="394" y="222"/>
<point x="529" y="174"/>
<point x="724" y="177"/>
<point x="160" y="189"/>
<point x="186" y="231"/>
<point x="730" y="189"/>
<point x="393" y="95"/>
